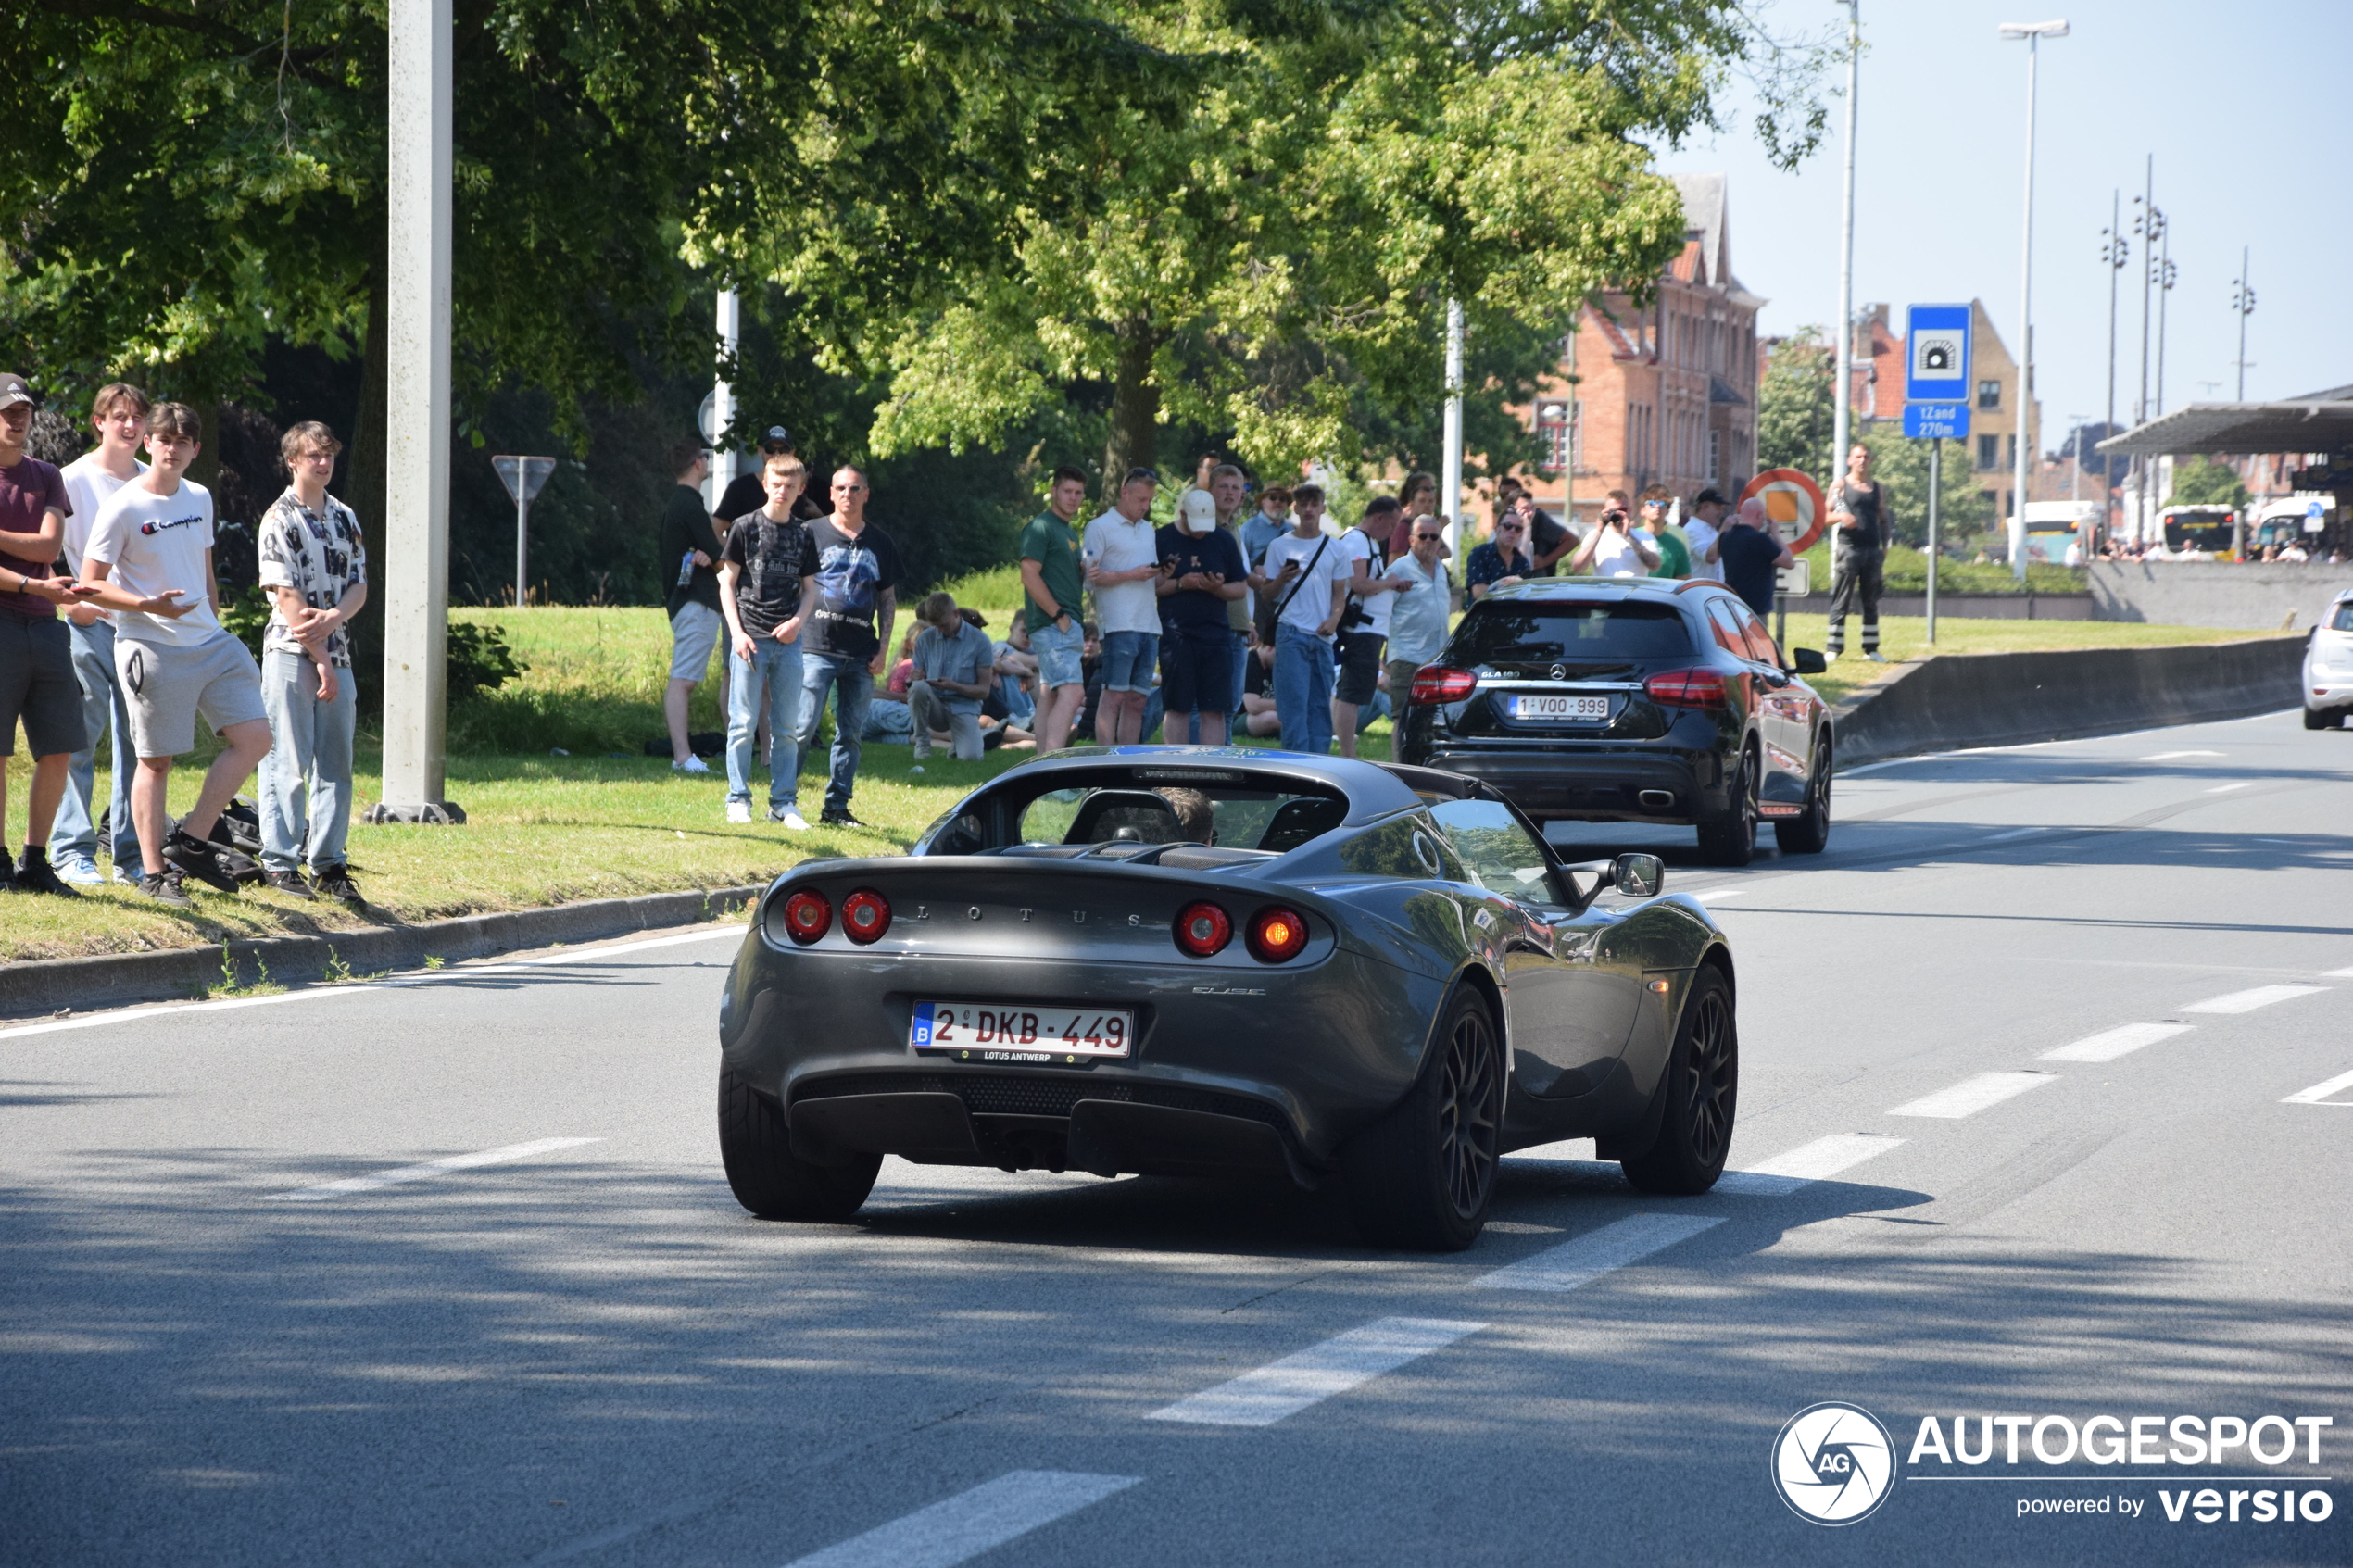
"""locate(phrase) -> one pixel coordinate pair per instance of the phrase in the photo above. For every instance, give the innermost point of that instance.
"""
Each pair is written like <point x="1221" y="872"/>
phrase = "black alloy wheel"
<point x="1731" y="839"/>
<point x="1702" y="1089"/>
<point x="764" y="1173"/>
<point x="1422" y="1176"/>
<point x="1810" y="833"/>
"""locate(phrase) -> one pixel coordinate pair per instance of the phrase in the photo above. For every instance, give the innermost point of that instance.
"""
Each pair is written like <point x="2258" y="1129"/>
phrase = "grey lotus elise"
<point x="1202" y="961"/>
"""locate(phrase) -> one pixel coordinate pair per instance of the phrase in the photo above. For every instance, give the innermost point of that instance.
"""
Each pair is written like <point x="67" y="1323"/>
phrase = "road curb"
<point x="1957" y="701"/>
<point x="110" y="980"/>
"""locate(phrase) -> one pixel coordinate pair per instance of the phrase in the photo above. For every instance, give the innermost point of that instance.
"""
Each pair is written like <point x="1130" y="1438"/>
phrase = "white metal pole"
<point x="2025" y="438"/>
<point x="416" y="570"/>
<point x="1450" y="480"/>
<point x="523" y="551"/>
<point x="1935" y="494"/>
<point x="1840" y="414"/>
<point x="722" y="401"/>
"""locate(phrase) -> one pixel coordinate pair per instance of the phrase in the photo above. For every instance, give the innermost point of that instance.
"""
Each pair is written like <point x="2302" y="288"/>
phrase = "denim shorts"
<point x="1128" y="658"/>
<point x="1059" y="654"/>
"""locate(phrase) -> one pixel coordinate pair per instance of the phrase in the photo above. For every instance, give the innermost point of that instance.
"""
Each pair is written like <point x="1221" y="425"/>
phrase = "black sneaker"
<point x="290" y="885"/>
<point x="839" y="817"/>
<point x="7" y="875"/>
<point x="35" y="874"/>
<point x="335" y="883"/>
<point x="213" y="864"/>
<point x="164" y="886"/>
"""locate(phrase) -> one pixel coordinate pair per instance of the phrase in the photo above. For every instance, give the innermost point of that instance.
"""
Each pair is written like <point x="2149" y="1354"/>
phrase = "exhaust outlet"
<point x="1655" y="799"/>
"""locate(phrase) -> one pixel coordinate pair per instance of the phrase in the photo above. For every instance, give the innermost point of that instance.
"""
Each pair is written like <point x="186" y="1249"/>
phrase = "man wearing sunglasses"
<point x="1417" y="620"/>
<point x="1502" y="560"/>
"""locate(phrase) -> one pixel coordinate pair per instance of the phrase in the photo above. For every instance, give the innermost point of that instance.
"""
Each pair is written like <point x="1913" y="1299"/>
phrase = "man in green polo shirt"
<point x="1050" y="580"/>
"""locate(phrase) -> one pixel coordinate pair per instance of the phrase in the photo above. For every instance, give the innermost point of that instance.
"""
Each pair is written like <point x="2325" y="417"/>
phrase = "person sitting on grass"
<point x="952" y="666"/>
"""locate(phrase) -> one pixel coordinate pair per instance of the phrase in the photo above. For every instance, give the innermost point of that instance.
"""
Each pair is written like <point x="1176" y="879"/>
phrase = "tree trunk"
<point x="205" y="468"/>
<point x="364" y="493"/>
<point x="1135" y="407"/>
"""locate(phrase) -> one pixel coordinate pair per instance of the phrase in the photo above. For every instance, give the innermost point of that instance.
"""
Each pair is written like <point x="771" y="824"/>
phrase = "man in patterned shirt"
<point x="315" y="570"/>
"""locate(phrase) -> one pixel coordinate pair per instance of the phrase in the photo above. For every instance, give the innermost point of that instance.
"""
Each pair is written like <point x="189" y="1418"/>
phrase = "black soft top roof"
<point x="1370" y="789"/>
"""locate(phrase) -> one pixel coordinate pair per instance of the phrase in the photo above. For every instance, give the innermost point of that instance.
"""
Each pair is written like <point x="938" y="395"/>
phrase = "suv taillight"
<point x="1685" y="688"/>
<point x="1435" y="684"/>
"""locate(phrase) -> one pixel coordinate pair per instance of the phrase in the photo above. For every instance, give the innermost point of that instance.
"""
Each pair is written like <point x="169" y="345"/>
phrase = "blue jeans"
<point x="853" y="687"/>
<point x="74" y="836"/>
<point x="1304" y="675"/>
<point x="773" y="671"/>
<point x="309" y="758"/>
<point x="1060" y="656"/>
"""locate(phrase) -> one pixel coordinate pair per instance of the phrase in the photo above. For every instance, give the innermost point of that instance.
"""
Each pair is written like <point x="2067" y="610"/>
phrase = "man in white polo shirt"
<point x="1122" y="553"/>
<point x="150" y="556"/>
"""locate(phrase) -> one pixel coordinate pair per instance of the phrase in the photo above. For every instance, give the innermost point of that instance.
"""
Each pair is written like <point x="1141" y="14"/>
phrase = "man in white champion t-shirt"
<point x="119" y="413"/>
<point x="149" y="550"/>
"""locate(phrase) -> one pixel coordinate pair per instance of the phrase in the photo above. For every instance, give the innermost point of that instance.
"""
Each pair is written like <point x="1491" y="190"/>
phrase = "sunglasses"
<point x="1507" y="528"/>
<point x="1428" y="538"/>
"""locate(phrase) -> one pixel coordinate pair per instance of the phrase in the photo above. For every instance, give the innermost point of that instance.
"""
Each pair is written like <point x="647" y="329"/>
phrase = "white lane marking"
<point x="2248" y="1001"/>
<point x="960" y="1528"/>
<point x="1713" y="894"/>
<point x="2225" y="789"/>
<point x="1596" y="1253"/>
<point x="2170" y="756"/>
<point x="2109" y="1044"/>
<point x="1806" y="1164"/>
<point x="353" y="988"/>
<point x="2319" y="1093"/>
<point x="2341" y="974"/>
<point x="2015" y="832"/>
<point x="1973" y="1094"/>
<point x="431" y="1168"/>
<point x="1344" y="1362"/>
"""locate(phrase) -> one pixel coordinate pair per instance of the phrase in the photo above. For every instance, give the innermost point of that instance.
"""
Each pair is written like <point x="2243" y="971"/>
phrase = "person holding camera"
<point x="1306" y="578"/>
<point x="1365" y="623"/>
<point x="1613" y="549"/>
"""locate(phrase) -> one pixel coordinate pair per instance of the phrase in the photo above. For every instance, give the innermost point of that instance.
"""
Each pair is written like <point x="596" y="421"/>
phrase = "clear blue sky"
<point x="2242" y="104"/>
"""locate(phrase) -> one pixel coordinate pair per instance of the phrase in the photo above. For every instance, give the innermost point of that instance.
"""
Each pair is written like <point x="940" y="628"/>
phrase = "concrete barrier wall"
<point x="1970" y="606"/>
<point x="2252" y="596"/>
<point x="1960" y="700"/>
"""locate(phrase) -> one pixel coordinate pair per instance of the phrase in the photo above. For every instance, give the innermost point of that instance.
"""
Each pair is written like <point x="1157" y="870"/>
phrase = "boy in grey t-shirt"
<point x="953" y="662"/>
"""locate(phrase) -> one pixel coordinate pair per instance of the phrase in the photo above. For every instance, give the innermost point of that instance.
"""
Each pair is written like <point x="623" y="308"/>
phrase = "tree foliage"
<point x="1796" y="407"/>
<point x="2202" y="482"/>
<point x="1900" y="464"/>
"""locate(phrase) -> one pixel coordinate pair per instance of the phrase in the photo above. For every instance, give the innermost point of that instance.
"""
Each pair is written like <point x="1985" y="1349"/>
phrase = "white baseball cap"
<point x="1199" y="510"/>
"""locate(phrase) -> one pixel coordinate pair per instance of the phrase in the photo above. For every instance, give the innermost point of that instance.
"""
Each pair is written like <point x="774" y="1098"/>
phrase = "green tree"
<point x="2202" y="482"/>
<point x="1901" y="466"/>
<point x="1796" y="410"/>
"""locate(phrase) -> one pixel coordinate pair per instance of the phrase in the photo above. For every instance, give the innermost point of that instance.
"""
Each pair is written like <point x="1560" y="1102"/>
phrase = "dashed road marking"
<point x="1344" y="1361"/>
<point x="2170" y="756"/>
<point x="1973" y="1094"/>
<point x="2248" y="1001"/>
<point x="2225" y="789"/>
<point x="431" y="1168"/>
<point x="1806" y="1164"/>
<point x="2319" y="1093"/>
<point x="1713" y="894"/>
<point x="960" y="1528"/>
<point x="2109" y="1044"/>
<point x="1596" y="1253"/>
<point x="2013" y="833"/>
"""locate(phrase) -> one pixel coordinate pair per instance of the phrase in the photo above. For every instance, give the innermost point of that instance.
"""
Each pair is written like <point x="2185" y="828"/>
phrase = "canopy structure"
<point x="2321" y="423"/>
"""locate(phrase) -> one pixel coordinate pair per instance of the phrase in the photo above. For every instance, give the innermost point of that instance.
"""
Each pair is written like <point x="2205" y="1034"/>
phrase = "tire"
<point x="1730" y="840"/>
<point x="2321" y="718"/>
<point x="1702" y="1091"/>
<point x="1421" y="1177"/>
<point x="1810" y="834"/>
<point x="767" y="1178"/>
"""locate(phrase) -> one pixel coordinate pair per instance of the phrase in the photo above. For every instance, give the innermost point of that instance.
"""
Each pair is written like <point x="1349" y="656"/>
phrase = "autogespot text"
<point x="2139" y="1441"/>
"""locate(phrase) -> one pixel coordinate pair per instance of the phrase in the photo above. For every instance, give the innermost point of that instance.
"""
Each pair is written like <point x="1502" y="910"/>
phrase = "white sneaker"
<point x="691" y="765"/>
<point x="792" y="818"/>
<point x="1875" y="658"/>
<point x="118" y="874"/>
<point x="81" y="871"/>
<point x="739" y="810"/>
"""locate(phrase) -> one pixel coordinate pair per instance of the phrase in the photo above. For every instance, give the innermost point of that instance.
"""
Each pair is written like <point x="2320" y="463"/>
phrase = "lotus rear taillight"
<point x="1202" y="930"/>
<point x="808" y="916"/>
<point x="1685" y="688"/>
<point x="1435" y="684"/>
<point x="1276" y="935"/>
<point x="865" y="915"/>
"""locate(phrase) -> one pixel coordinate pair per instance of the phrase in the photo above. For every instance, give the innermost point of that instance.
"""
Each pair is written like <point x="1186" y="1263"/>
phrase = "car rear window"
<point x="2343" y="620"/>
<point x="1528" y="633"/>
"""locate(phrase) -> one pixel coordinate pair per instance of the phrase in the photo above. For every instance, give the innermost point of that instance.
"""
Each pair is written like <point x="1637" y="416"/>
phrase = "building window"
<point x="1988" y="451"/>
<point x="1989" y="395"/>
<point x="1715" y="457"/>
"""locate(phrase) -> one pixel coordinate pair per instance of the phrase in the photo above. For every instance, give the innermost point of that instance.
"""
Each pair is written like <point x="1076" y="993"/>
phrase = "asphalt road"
<point x="227" y="1335"/>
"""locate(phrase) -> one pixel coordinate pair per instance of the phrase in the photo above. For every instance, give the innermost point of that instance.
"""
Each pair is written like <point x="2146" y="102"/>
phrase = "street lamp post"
<point x="1450" y="479"/>
<point x="1844" y="355"/>
<point x="2150" y="226"/>
<point x="2243" y="304"/>
<point x="2033" y="32"/>
<point x="2166" y="273"/>
<point x="2113" y="251"/>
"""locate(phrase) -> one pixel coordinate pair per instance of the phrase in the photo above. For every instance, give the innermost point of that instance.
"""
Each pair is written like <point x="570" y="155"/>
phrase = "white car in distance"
<point x="2328" y="667"/>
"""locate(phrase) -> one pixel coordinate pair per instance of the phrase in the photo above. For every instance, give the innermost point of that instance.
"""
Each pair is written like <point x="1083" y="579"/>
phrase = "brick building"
<point x="1663" y="393"/>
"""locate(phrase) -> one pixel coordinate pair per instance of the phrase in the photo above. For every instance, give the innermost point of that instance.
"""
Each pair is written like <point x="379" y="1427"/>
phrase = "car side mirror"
<point x="1809" y="662"/>
<point x="1638" y="876"/>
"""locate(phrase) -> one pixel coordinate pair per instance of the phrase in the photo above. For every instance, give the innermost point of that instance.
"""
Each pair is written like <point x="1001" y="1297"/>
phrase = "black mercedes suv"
<point x="1630" y="699"/>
